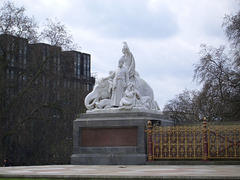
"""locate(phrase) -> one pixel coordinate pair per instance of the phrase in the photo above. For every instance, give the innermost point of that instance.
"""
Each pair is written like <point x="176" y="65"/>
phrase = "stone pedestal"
<point x="112" y="138"/>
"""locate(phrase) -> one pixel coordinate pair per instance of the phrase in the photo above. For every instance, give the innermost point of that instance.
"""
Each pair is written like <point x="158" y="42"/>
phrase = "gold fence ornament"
<point x="206" y="141"/>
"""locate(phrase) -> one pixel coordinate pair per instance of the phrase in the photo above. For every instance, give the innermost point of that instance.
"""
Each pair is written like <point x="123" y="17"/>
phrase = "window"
<point x="58" y="63"/>
<point x="88" y="87"/>
<point x="54" y="64"/>
<point x="65" y="83"/>
<point x="58" y="83"/>
<point x="88" y="68"/>
<point x="84" y="65"/>
<point x="79" y="65"/>
<point x="25" y="55"/>
<point x="69" y="84"/>
<point x="12" y="75"/>
<point x="7" y="74"/>
<point x="20" y="53"/>
<point x="12" y="61"/>
<point x="75" y="67"/>
<point x="46" y="55"/>
<point x="75" y="85"/>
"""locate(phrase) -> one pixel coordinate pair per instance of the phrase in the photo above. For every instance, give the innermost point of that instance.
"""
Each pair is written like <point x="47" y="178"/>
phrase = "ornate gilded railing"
<point x="193" y="142"/>
<point x="224" y="142"/>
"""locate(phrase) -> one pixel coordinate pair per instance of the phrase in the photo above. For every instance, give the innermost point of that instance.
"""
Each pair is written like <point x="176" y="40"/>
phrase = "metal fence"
<point x="204" y="141"/>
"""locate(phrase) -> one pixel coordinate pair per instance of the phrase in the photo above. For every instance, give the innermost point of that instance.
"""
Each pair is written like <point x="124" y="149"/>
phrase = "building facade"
<point x="42" y="91"/>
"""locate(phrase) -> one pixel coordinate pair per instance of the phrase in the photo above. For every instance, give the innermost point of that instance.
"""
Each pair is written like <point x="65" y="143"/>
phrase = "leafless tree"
<point x="221" y="83"/>
<point x="15" y="22"/>
<point x="231" y="24"/>
<point x="183" y="108"/>
<point x="218" y="70"/>
<point x="58" y="35"/>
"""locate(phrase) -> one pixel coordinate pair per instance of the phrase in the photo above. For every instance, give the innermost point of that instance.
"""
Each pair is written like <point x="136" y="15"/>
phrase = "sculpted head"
<point x="101" y="82"/>
<point x="125" y="48"/>
<point x="121" y="62"/>
<point x="131" y="86"/>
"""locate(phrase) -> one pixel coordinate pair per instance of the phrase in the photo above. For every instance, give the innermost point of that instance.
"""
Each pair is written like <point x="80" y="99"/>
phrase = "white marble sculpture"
<point x="118" y="83"/>
<point x="122" y="90"/>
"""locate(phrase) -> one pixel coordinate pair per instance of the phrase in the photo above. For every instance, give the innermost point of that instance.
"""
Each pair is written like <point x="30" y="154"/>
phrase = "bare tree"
<point x="231" y="24"/>
<point x="219" y="73"/>
<point x="58" y="35"/>
<point x="15" y="22"/>
<point x="221" y="83"/>
<point x="183" y="108"/>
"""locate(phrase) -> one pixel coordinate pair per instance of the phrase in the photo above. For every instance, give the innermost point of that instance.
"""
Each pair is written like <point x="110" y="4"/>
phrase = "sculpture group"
<point x="122" y="89"/>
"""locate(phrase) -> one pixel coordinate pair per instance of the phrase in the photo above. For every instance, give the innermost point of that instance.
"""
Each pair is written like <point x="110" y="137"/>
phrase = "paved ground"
<point x="124" y="172"/>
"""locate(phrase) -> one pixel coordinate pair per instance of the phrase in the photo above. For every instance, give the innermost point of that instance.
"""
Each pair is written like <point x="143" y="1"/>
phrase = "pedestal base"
<point x="112" y="138"/>
<point x="109" y="159"/>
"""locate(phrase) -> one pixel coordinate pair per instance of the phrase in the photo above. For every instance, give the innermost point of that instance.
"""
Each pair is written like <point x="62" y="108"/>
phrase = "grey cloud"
<point x="123" y="19"/>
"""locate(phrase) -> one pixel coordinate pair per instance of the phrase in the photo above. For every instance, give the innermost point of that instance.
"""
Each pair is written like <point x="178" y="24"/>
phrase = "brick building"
<point x="42" y="91"/>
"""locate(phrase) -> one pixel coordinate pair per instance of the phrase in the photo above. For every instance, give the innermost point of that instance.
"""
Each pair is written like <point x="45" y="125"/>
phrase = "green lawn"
<point x="23" y="178"/>
<point x="54" y="179"/>
<point x="27" y="179"/>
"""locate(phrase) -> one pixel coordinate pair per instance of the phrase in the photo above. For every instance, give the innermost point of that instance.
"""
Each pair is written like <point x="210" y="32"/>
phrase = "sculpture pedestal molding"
<point x="112" y="138"/>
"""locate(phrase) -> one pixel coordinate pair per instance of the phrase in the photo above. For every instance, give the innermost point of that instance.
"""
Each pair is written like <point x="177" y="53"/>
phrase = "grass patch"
<point x="27" y="179"/>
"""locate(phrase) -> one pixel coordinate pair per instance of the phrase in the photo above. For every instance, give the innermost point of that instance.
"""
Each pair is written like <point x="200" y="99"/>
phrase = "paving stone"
<point x="124" y="172"/>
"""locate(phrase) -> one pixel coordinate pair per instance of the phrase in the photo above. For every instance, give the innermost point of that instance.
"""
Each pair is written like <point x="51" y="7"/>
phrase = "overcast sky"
<point x="163" y="35"/>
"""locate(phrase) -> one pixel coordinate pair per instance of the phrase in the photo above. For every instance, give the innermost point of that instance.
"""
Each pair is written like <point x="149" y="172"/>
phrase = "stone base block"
<point x="109" y="159"/>
<point x="112" y="138"/>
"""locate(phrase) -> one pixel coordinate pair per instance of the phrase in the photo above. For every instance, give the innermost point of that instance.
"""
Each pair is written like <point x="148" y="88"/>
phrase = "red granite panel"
<point x="98" y="137"/>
